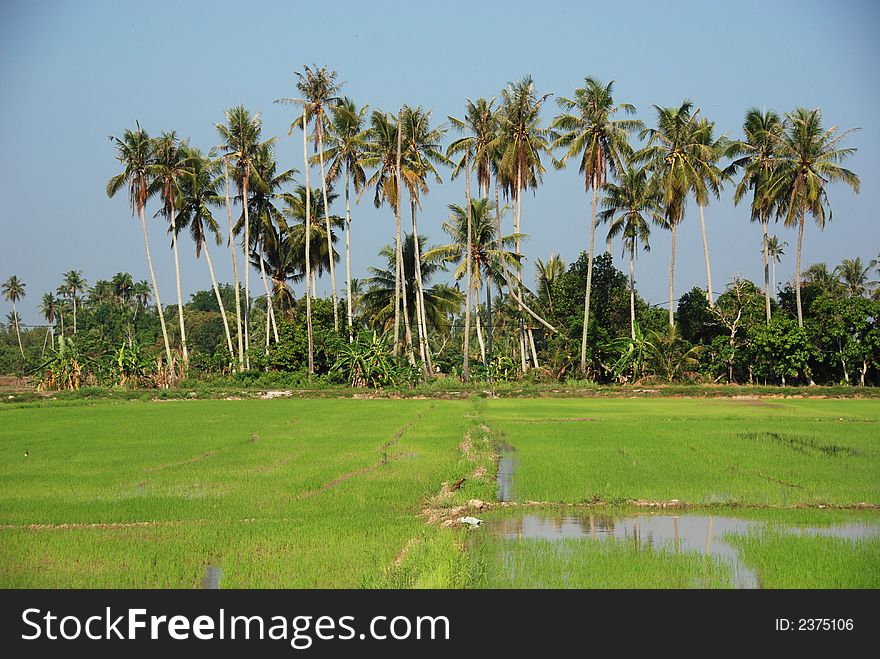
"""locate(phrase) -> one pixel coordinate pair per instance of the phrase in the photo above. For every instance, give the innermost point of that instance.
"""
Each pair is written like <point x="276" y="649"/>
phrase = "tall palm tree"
<point x="347" y="142"/>
<point x="266" y="185"/>
<point x="546" y="275"/>
<point x="421" y="152"/>
<point x="440" y="300"/>
<point x="757" y="157"/>
<point x="318" y="93"/>
<point x="169" y="166"/>
<point x="630" y="207"/>
<point x="810" y="157"/>
<point x="122" y="284"/>
<point x="521" y="141"/>
<point x="49" y="309"/>
<point x="241" y="140"/>
<point x="13" y="291"/>
<point x="486" y="251"/>
<point x="199" y="190"/>
<point x="383" y="153"/>
<point x="853" y="274"/>
<point x="73" y="284"/>
<point x="775" y="252"/>
<point x="707" y="151"/>
<point x="587" y="129"/>
<point x="670" y="156"/>
<point x="135" y="152"/>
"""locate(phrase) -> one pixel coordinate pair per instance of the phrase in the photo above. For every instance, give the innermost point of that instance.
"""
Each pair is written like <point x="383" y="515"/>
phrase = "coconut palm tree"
<point x="707" y="151"/>
<point x="346" y="140"/>
<point x="73" y="284"/>
<point x="480" y="128"/>
<point x="486" y="252"/>
<point x="520" y="143"/>
<point x="630" y="207"/>
<point x="199" y="190"/>
<point x="168" y="167"/>
<point x="241" y="140"/>
<point x="546" y="275"/>
<point x="756" y="154"/>
<point x="853" y="274"/>
<point x="122" y="283"/>
<point x="296" y="215"/>
<point x="49" y="309"/>
<point x="318" y="93"/>
<point x="135" y="152"/>
<point x="440" y="300"/>
<point x="13" y="291"/>
<point x="775" y="252"/>
<point x="384" y="154"/>
<point x="587" y="129"/>
<point x="421" y="152"/>
<point x="670" y="157"/>
<point x="810" y="157"/>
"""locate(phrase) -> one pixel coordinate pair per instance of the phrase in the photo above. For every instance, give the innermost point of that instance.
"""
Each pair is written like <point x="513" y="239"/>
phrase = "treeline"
<point x="638" y="177"/>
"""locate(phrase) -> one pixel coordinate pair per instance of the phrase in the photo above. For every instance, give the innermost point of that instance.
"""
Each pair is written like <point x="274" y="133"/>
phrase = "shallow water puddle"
<point x="679" y="533"/>
<point x="211" y="576"/>
<point x="506" y="467"/>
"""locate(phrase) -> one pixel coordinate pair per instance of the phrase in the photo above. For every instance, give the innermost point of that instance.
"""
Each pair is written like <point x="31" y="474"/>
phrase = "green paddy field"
<point x="333" y="493"/>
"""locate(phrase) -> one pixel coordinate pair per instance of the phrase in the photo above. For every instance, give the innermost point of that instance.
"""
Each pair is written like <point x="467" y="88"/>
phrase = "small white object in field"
<point x="472" y="522"/>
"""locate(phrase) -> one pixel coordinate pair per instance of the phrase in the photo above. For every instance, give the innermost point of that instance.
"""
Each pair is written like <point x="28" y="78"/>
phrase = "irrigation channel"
<point x="687" y="532"/>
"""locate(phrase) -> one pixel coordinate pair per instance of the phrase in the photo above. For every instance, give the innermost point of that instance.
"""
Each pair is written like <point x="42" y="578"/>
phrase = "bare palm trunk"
<point x="672" y="279"/>
<point x="247" y="266"/>
<point x="532" y="346"/>
<point x="517" y="226"/>
<point x="155" y="289"/>
<point x="466" y="369"/>
<point x="797" y="271"/>
<point x="398" y="267"/>
<point x="773" y="265"/>
<point x="476" y="285"/>
<point x="608" y="245"/>
<point x="350" y="315"/>
<point x="632" y="293"/>
<point x="179" y="299"/>
<point x="320" y="131"/>
<point x="766" y="255"/>
<point x="234" y="271"/>
<point x="308" y="234"/>
<point x="270" y="309"/>
<point x="589" y="285"/>
<point x="709" y="293"/>
<point x="489" y="327"/>
<point x="17" y="330"/>
<point x="74" y="313"/>
<point x="219" y="302"/>
<point x="424" y="350"/>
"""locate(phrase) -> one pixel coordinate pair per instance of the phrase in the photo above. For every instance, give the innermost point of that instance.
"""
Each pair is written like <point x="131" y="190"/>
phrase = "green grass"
<point x="780" y="452"/>
<point x="306" y="492"/>
<point x="784" y="560"/>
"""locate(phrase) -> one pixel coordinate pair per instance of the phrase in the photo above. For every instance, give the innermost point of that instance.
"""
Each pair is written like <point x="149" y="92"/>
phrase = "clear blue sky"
<point x="73" y="73"/>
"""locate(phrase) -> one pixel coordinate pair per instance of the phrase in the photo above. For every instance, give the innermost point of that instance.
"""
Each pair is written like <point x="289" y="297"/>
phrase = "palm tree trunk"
<point x="773" y="265"/>
<point x="532" y="346"/>
<point x="74" y="313"/>
<point x="234" y="271"/>
<point x="350" y="316"/>
<point x="270" y="310"/>
<point x="766" y="256"/>
<point x="589" y="285"/>
<point x="156" y="289"/>
<point x="219" y="302"/>
<point x="308" y="233"/>
<point x="476" y="285"/>
<point x="179" y="299"/>
<point x="398" y="267"/>
<point x="672" y="279"/>
<point x="466" y="369"/>
<point x="797" y="271"/>
<point x="516" y="228"/>
<point x="706" y="253"/>
<point x="632" y="291"/>
<point x="320" y="131"/>
<point x="489" y="327"/>
<point x="247" y="266"/>
<point x="424" y="350"/>
<point x="17" y="330"/>
<point x="608" y="245"/>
